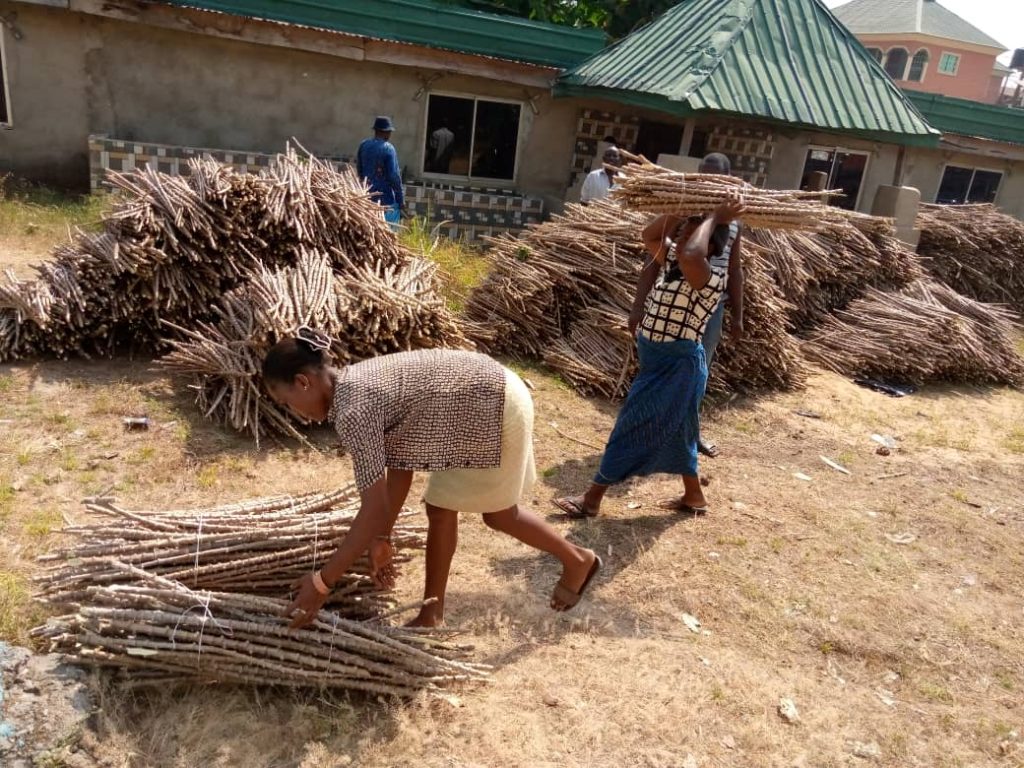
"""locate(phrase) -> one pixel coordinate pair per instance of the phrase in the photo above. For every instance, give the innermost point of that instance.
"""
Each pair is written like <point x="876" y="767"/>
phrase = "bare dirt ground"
<point x="887" y="604"/>
<point x="802" y="588"/>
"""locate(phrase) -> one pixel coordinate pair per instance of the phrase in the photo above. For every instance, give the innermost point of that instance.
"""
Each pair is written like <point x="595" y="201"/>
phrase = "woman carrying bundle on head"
<point x="460" y="416"/>
<point x="658" y="427"/>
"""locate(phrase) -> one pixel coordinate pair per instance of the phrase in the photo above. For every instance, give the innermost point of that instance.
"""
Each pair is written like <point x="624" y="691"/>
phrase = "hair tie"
<point x="321" y="342"/>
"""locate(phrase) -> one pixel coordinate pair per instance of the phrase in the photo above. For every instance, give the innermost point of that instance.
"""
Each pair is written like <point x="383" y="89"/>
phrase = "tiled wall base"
<point x="462" y="211"/>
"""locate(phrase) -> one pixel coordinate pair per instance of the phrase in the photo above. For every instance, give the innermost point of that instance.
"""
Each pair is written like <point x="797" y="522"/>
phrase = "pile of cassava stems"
<point x="924" y="332"/>
<point x="225" y="264"/>
<point x="365" y="311"/>
<point x="975" y="250"/>
<point x="649" y="188"/>
<point x="199" y="596"/>
<point x="562" y="291"/>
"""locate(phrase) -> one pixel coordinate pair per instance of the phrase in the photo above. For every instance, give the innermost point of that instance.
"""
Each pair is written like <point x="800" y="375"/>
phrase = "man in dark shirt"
<point x="377" y="163"/>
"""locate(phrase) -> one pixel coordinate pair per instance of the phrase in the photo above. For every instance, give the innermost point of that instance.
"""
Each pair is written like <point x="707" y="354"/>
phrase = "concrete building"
<point x="924" y="46"/>
<point x="158" y="77"/>
<point x="498" y="118"/>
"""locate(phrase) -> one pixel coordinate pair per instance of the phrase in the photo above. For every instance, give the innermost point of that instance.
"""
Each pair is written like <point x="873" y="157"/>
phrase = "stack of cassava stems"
<point x="923" y="333"/>
<point x="976" y="250"/>
<point x="258" y="547"/>
<point x="823" y="271"/>
<point x="155" y="631"/>
<point x="562" y="291"/>
<point x="200" y="595"/>
<point x="219" y="265"/>
<point x="366" y="311"/>
<point x="650" y="188"/>
<point x="174" y="245"/>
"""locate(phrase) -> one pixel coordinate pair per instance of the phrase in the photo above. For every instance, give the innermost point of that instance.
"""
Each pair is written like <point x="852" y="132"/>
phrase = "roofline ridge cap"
<point x="676" y="94"/>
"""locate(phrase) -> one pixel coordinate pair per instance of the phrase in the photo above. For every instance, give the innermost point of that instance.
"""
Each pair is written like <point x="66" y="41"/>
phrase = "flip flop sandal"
<point x="574" y="510"/>
<point x="676" y="505"/>
<point x="708" y="449"/>
<point x="686" y="509"/>
<point x="567" y="597"/>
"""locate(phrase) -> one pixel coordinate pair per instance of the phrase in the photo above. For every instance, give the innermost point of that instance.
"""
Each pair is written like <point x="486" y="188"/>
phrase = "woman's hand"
<point x="730" y="210"/>
<point x="382" y="568"/>
<point x="304" y="608"/>
<point x="635" y="316"/>
<point x="736" y="329"/>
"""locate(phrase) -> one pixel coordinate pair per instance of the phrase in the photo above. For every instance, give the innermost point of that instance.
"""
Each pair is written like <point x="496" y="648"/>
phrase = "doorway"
<point x="655" y="139"/>
<point x="844" y="170"/>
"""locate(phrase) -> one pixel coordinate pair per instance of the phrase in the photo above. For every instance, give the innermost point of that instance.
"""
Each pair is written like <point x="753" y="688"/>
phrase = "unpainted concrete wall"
<point x="791" y="155"/>
<point x="72" y="75"/>
<point x="924" y="169"/>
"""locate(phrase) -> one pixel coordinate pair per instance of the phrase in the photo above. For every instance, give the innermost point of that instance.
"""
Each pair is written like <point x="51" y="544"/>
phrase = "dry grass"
<point x="801" y="587"/>
<point x="802" y="593"/>
<point x="33" y="219"/>
<point x="463" y="267"/>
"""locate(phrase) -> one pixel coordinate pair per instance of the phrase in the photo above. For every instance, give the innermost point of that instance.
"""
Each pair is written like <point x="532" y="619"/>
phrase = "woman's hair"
<point x="307" y="351"/>
<point x="716" y="162"/>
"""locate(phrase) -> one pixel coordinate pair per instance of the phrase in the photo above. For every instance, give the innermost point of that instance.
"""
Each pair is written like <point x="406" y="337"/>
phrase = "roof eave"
<point x="565" y="89"/>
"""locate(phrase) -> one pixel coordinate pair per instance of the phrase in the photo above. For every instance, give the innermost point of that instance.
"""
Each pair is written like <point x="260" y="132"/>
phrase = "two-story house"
<point x="924" y="46"/>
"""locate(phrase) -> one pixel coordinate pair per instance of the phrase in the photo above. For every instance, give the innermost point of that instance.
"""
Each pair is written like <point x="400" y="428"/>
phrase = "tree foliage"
<point x="616" y="17"/>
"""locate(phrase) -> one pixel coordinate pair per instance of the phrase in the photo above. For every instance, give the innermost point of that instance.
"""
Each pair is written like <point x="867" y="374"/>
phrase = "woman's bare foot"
<point x="429" y="616"/>
<point x="575" y="579"/>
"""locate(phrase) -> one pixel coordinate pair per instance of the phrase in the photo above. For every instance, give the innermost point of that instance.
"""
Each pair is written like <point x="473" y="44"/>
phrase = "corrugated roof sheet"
<point x="428" y="23"/>
<point x="925" y="17"/>
<point x="969" y="118"/>
<point x="780" y="60"/>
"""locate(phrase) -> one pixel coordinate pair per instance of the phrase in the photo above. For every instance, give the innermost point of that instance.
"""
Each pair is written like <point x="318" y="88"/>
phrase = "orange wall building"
<point x="924" y="46"/>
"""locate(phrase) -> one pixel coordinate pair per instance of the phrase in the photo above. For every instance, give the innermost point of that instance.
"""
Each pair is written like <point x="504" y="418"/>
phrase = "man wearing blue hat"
<point x="377" y="163"/>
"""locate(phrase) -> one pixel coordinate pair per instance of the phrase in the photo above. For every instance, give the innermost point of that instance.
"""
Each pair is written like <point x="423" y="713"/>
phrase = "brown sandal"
<point x="567" y="597"/>
<point x="574" y="508"/>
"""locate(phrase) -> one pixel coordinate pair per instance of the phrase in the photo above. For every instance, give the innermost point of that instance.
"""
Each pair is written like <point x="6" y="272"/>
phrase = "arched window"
<point x="896" y="63"/>
<point x="876" y="54"/>
<point x="917" y="66"/>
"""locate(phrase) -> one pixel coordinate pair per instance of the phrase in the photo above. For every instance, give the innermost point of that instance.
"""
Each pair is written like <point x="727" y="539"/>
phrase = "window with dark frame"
<point x="5" y="115"/>
<point x="842" y="170"/>
<point x="896" y="63"/>
<point x="471" y="138"/>
<point x="917" y="66"/>
<point x="962" y="186"/>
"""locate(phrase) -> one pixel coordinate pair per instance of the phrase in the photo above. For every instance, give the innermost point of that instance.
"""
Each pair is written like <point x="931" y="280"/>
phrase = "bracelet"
<point x="319" y="584"/>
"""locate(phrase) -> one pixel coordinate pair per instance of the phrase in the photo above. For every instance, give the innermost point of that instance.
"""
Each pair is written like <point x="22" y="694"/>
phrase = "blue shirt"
<point x="377" y="163"/>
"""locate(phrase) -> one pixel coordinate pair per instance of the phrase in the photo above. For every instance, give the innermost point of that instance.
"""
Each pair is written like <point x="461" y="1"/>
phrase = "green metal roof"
<point x="783" y="61"/>
<point x="423" y="22"/>
<point x="971" y="118"/>
<point x="924" y="17"/>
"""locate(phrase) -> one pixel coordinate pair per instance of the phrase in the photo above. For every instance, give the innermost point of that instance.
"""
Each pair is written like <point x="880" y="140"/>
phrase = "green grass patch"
<point x="6" y="384"/>
<point x="208" y="476"/>
<point x="42" y="522"/>
<point x="6" y="499"/>
<point x="462" y="266"/>
<point x="144" y="455"/>
<point x="69" y="462"/>
<point x="935" y="692"/>
<point x="18" y="611"/>
<point x="46" y="215"/>
<point x="1015" y="440"/>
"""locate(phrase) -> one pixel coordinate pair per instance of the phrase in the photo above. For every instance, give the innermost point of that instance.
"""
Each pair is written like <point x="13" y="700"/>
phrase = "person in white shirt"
<point x="442" y="143"/>
<point x="599" y="183"/>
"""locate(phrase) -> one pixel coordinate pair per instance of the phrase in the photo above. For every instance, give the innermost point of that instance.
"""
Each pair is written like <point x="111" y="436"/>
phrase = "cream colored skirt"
<point x="501" y="487"/>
